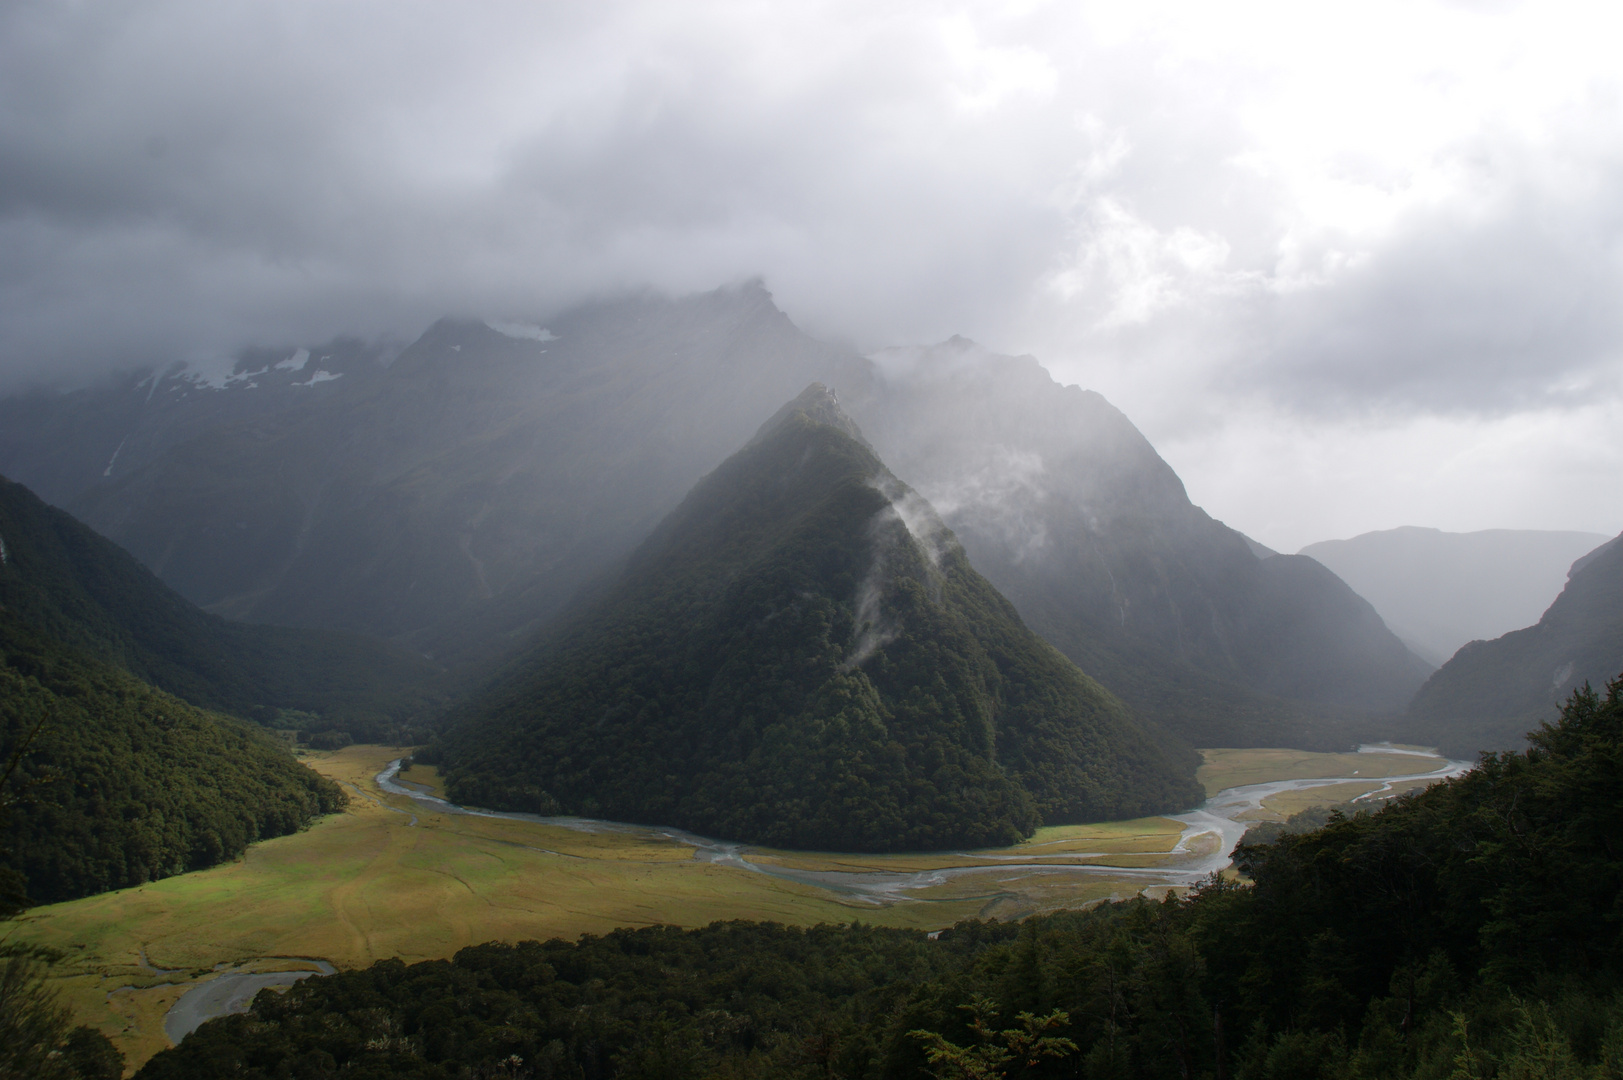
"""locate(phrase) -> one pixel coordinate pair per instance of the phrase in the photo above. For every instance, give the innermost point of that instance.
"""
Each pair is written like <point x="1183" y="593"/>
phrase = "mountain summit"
<point x="801" y="655"/>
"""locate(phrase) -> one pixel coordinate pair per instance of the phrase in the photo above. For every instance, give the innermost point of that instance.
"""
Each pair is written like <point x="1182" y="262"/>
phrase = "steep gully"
<point x="1193" y="858"/>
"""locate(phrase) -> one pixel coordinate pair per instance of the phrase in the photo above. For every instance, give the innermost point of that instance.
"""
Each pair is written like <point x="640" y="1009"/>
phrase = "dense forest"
<point x="784" y="661"/>
<point x="1469" y="931"/>
<point x="74" y="586"/>
<point x="117" y="783"/>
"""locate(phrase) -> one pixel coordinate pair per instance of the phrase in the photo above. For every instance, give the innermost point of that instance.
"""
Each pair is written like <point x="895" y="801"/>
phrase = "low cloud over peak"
<point x="1388" y="218"/>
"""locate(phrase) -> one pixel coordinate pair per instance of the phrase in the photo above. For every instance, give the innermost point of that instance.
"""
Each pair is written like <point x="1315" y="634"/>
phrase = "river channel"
<point x="1206" y="846"/>
<point x="1210" y="834"/>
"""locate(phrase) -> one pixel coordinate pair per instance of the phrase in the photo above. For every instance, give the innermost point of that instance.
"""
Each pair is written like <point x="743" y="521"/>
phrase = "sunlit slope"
<point x="68" y="584"/>
<point x="802" y="656"/>
<point x="1492" y="692"/>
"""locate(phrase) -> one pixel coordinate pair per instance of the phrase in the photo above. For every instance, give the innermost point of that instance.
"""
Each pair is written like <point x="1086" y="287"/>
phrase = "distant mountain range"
<point x="1438" y="590"/>
<point x="1490" y="693"/>
<point x="455" y="496"/>
<point x="801" y="655"/>
<point x="452" y="499"/>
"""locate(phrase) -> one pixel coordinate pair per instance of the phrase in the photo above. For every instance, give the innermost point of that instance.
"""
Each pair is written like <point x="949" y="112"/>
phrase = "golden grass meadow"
<point x="386" y="878"/>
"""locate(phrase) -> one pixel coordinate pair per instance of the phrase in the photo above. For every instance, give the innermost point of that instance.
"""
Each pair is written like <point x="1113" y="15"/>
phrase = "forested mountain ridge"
<point x="1466" y="931"/>
<point x="65" y="583"/>
<point x="1492" y="691"/>
<point x="114" y="781"/>
<point x="117" y="783"/>
<point x="801" y="655"/>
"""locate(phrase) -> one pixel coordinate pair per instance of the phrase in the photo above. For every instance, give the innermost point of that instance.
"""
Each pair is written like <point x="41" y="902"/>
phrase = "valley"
<point x="802" y="655"/>
<point x="401" y="874"/>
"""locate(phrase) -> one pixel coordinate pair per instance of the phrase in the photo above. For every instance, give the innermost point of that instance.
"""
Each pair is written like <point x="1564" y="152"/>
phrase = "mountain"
<point x="1492" y="692"/>
<point x="454" y="496"/>
<point x="1067" y="509"/>
<point x="457" y="496"/>
<point x="66" y="584"/>
<point x="801" y="655"/>
<point x="61" y="442"/>
<point x="1438" y="590"/>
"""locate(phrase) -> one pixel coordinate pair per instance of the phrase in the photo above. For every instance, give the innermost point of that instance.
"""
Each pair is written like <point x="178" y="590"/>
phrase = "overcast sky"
<point x="1348" y="266"/>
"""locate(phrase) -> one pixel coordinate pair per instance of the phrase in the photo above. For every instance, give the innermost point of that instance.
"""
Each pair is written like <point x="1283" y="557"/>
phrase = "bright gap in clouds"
<point x="1293" y="242"/>
<point x="1290" y="483"/>
<point x="1394" y="302"/>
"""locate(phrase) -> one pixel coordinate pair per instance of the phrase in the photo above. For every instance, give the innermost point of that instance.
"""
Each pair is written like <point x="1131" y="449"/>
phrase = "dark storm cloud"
<point x="180" y="178"/>
<point x="1173" y="204"/>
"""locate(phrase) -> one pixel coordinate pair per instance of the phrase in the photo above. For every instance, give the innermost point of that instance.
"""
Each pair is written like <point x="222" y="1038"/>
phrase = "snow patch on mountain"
<point x="211" y="374"/>
<point x="523" y="331"/>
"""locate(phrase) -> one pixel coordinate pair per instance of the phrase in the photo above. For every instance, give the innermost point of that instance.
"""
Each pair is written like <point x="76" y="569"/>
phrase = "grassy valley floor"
<point x="1381" y="776"/>
<point x="390" y="877"/>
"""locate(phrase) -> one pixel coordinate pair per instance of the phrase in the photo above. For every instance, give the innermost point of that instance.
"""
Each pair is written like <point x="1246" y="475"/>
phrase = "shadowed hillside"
<point x="1493" y="691"/>
<point x="118" y="784"/>
<point x="69" y="585"/>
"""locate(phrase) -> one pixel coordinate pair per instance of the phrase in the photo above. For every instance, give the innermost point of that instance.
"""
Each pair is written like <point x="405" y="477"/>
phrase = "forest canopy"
<point x="118" y="783"/>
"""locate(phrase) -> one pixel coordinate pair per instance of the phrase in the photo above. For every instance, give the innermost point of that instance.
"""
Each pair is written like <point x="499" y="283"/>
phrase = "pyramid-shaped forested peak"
<point x="785" y="662"/>
<point x="816" y="404"/>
